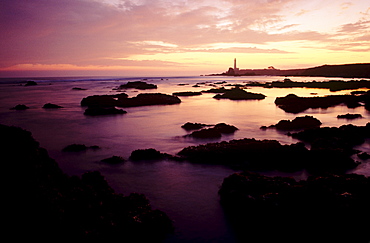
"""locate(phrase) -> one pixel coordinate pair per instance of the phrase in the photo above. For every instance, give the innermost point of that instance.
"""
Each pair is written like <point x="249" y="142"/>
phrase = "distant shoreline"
<point x="361" y="70"/>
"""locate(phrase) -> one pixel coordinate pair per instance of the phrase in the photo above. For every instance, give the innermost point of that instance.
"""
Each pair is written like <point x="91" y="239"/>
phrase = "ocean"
<point x="187" y="192"/>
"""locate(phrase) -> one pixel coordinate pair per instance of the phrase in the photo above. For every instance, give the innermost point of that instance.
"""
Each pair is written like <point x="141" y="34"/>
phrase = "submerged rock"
<point x="78" y="148"/>
<point x="149" y="154"/>
<point x="113" y="160"/>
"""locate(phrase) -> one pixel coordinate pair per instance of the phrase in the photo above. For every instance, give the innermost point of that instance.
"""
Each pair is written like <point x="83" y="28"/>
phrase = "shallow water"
<point x="186" y="192"/>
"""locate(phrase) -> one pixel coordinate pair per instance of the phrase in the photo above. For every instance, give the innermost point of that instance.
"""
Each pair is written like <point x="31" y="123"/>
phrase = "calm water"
<point x="186" y="192"/>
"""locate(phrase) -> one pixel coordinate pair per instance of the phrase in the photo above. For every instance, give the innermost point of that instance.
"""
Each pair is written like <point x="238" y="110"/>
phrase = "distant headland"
<point x="360" y="70"/>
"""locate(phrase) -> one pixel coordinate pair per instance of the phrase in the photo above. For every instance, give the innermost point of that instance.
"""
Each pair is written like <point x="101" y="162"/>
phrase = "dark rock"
<point x="210" y="133"/>
<point x="187" y="93"/>
<point x="294" y="104"/>
<point x="76" y="88"/>
<point x="206" y="133"/>
<point x="121" y="100"/>
<point x="30" y="83"/>
<point x="51" y="106"/>
<point x="103" y="100"/>
<point x="350" y="116"/>
<point x="193" y="126"/>
<point x="82" y="208"/>
<point x="250" y="154"/>
<point x="364" y="156"/>
<point x="317" y="208"/>
<point x="101" y="111"/>
<point x="113" y="160"/>
<point x="78" y="148"/>
<point x="297" y="123"/>
<point x="239" y="94"/>
<point x="147" y="154"/>
<point x="137" y="85"/>
<point x="20" y="107"/>
<point x="225" y="128"/>
<point x="149" y="99"/>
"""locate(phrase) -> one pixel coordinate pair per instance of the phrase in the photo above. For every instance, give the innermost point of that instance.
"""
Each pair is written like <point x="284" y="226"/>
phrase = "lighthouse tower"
<point x="235" y="68"/>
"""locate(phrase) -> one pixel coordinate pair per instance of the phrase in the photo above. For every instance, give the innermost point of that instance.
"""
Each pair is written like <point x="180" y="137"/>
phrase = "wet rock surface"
<point x="61" y="207"/>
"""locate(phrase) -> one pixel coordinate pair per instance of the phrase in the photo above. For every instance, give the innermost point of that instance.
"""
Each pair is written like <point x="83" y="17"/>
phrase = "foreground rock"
<point x="297" y="123"/>
<point x="42" y="203"/>
<point x="122" y="100"/>
<point x="267" y="155"/>
<point x="330" y="208"/>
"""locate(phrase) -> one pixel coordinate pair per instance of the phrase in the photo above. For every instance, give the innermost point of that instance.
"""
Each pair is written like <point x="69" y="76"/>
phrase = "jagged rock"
<point x="137" y="85"/>
<point x="101" y="111"/>
<point x="51" y="106"/>
<point x="209" y="133"/>
<point x="350" y="116"/>
<point x="20" y="107"/>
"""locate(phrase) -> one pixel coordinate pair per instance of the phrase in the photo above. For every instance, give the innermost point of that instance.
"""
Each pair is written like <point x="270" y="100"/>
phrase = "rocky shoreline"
<point x="42" y="203"/>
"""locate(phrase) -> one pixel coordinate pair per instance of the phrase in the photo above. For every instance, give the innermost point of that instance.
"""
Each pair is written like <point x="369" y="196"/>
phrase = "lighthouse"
<point x="236" y="70"/>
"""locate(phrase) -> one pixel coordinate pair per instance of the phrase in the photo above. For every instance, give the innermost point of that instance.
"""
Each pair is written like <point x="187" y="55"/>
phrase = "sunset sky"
<point x="178" y="37"/>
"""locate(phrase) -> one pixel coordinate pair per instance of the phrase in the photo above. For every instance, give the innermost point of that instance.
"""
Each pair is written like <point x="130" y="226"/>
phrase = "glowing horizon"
<point x="162" y="37"/>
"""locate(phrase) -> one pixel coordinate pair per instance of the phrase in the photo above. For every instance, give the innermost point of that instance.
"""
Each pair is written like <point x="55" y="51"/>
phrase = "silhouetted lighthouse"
<point x="234" y="64"/>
